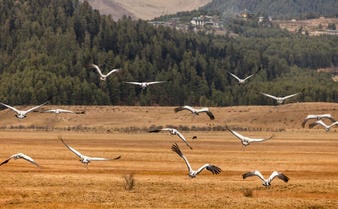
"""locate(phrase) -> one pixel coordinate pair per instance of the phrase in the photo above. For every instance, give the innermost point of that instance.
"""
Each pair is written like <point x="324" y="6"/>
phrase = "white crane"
<point x="317" y="117"/>
<point x="279" y="100"/>
<point x="173" y="131"/>
<point x="266" y="182"/>
<point x="20" y="156"/>
<point x="193" y="173"/>
<point x="86" y="159"/>
<point x="320" y="122"/>
<point x="144" y="85"/>
<point x="241" y="81"/>
<point x="22" y="113"/>
<point x="196" y="111"/>
<point x="244" y="80"/>
<point x="246" y="140"/>
<point x="58" y="111"/>
<point x="103" y="76"/>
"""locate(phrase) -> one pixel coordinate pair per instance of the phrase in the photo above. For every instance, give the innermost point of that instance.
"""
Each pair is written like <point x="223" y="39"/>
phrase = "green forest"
<point x="46" y="46"/>
<point x="287" y="9"/>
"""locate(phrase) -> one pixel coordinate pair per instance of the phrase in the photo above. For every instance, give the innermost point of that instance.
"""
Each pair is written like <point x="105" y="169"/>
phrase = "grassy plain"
<point x="308" y="156"/>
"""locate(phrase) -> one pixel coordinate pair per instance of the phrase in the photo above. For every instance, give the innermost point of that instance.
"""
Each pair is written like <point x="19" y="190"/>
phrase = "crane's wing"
<point x="71" y="148"/>
<point x="29" y="159"/>
<point x="308" y="117"/>
<point x="112" y="71"/>
<point x="318" y="122"/>
<point x="253" y="173"/>
<point x="183" y="139"/>
<point x="36" y="107"/>
<point x="211" y="116"/>
<point x="6" y="161"/>
<point x="52" y="111"/>
<point x="208" y="112"/>
<point x="134" y="83"/>
<point x="161" y="129"/>
<point x="279" y="175"/>
<point x="258" y="139"/>
<point x="248" y="77"/>
<point x="268" y="95"/>
<point x="102" y="159"/>
<point x="289" y="96"/>
<point x="185" y="107"/>
<point x="65" y="111"/>
<point x="155" y="131"/>
<point x="175" y="148"/>
<point x="334" y="123"/>
<point x="23" y="156"/>
<point x="154" y="82"/>
<point x="10" y="107"/>
<point x="329" y="116"/>
<point x="212" y="168"/>
<point x="234" y="76"/>
<point x="239" y="136"/>
<point x="97" y="68"/>
<point x="259" y="69"/>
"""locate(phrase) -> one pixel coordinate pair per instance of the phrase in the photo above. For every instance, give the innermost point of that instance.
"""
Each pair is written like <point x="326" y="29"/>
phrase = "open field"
<point x="314" y="27"/>
<point x="141" y="9"/>
<point x="309" y="157"/>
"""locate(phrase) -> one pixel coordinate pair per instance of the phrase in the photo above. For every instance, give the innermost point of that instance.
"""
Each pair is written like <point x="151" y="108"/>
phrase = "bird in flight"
<point x="246" y="140"/>
<point x="266" y="182"/>
<point x="196" y="111"/>
<point x="86" y="159"/>
<point x="173" y="131"/>
<point x="320" y="122"/>
<point x="20" y="156"/>
<point x="193" y="173"/>
<point x="21" y="114"/>
<point x="57" y="111"/>
<point x="280" y="100"/>
<point x="242" y="81"/>
<point x="317" y="117"/>
<point x="144" y="85"/>
<point x="103" y="76"/>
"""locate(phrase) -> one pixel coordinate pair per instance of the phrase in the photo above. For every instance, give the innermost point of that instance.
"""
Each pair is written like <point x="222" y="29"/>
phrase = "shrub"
<point x="129" y="182"/>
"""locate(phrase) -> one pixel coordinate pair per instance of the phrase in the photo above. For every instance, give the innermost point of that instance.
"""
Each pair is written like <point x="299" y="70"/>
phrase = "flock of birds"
<point x="245" y="141"/>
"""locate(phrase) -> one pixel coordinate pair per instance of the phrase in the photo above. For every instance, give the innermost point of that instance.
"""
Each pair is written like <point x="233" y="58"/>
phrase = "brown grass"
<point x="308" y="157"/>
<point x="145" y="9"/>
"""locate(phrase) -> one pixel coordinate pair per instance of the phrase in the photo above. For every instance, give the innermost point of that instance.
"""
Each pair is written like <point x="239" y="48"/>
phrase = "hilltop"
<point x="144" y="9"/>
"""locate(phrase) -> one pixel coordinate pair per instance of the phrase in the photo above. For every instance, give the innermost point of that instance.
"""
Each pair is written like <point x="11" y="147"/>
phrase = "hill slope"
<point x="282" y="8"/>
<point x="141" y="9"/>
<point x="45" y="55"/>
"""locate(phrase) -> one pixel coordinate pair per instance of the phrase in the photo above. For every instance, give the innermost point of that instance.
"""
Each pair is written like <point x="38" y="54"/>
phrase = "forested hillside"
<point x="46" y="46"/>
<point x="277" y="9"/>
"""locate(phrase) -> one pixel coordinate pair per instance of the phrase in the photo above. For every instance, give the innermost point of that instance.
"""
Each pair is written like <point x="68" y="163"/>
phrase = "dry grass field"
<point x="141" y="9"/>
<point x="309" y="157"/>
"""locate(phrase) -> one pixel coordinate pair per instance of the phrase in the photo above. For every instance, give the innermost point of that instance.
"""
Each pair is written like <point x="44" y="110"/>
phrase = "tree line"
<point x="46" y="46"/>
